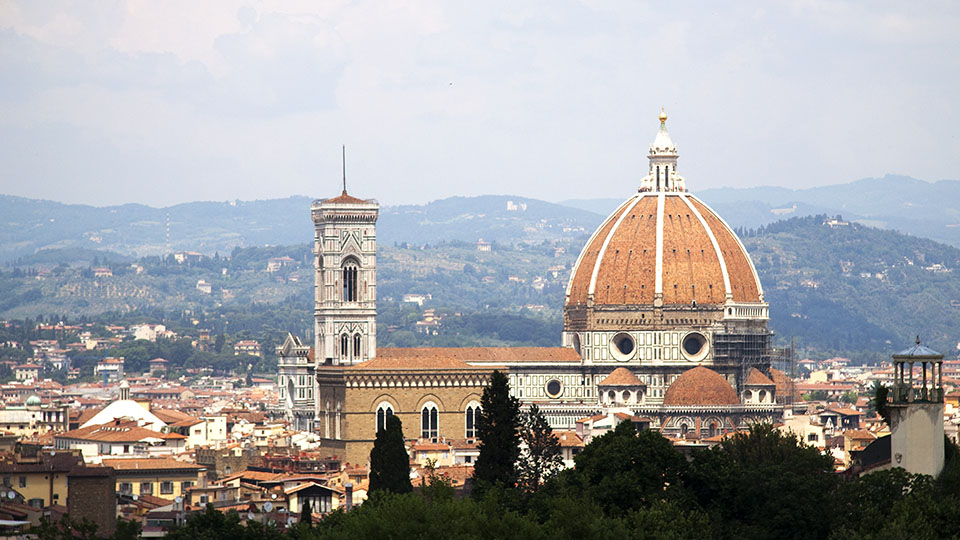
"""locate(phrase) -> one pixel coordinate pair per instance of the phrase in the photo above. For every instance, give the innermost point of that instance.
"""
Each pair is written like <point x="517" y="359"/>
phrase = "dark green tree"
<point x="540" y="459"/>
<point x="218" y="343"/>
<point x="764" y="484"/>
<point x="211" y="524"/>
<point x="498" y="429"/>
<point x="306" y="517"/>
<point x="389" y="461"/>
<point x="880" y="400"/>
<point x="624" y="470"/>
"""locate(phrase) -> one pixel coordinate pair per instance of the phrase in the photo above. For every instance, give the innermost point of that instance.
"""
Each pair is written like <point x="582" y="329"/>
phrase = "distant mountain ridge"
<point x="909" y="205"/>
<point x="134" y="230"/>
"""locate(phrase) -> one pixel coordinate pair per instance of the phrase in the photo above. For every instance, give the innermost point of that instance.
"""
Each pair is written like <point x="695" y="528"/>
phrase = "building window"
<point x="185" y="486"/>
<point x="23" y="481"/>
<point x="35" y="503"/>
<point x="126" y="488"/>
<point x="356" y="345"/>
<point x="146" y="488"/>
<point x="166" y="488"/>
<point x="429" y="422"/>
<point x="473" y="416"/>
<point x="344" y="346"/>
<point x="350" y="281"/>
<point x="384" y="411"/>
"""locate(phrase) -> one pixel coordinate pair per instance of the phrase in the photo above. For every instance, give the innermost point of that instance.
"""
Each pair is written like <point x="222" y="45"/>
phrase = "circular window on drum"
<point x="554" y="388"/>
<point x="694" y="346"/>
<point x="622" y="346"/>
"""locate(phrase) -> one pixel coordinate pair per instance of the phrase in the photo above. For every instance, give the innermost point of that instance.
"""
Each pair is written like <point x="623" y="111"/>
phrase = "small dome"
<point x="621" y="377"/>
<point x="700" y="386"/>
<point x="34" y="401"/>
<point x="757" y="378"/>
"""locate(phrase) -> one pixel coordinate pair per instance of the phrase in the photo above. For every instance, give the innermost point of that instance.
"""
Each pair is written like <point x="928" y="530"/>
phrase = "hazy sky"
<point x="165" y="102"/>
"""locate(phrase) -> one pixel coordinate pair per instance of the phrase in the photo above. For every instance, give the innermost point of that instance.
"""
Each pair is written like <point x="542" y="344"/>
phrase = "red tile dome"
<point x="667" y="243"/>
<point x="700" y="386"/>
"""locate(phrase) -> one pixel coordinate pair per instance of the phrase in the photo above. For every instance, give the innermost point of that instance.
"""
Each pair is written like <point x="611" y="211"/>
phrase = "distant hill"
<point x="912" y="206"/>
<point x="31" y="225"/>
<point x="838" y="288"/>
<point x="495" y="218"/>
<point x="135" y="230"/>
<point x="855" y="289"/>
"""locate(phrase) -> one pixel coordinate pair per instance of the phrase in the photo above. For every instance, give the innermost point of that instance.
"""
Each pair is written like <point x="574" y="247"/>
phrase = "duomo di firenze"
<point x="664" y="321"/>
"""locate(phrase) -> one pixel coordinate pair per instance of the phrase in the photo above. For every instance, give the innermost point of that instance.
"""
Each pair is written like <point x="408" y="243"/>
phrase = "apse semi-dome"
<point x="700" y="386"/>
<point x="663" y="246"/>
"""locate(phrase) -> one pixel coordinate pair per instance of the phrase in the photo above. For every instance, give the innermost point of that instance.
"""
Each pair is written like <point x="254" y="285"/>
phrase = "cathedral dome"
<point x="700" y="386"/>
<point x="663" y="246"/>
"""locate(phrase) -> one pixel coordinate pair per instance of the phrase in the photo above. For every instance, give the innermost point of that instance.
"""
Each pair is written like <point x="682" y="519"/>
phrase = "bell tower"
<point x="345" y="268"/>
<point x="916" y="411"/>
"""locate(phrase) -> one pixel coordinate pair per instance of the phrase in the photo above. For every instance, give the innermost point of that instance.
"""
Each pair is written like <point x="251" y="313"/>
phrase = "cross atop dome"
<point x="662" y="176"/>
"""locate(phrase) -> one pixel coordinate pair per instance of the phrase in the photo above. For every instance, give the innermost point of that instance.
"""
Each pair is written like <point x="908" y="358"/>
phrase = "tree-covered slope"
<point x="851" y="288"/>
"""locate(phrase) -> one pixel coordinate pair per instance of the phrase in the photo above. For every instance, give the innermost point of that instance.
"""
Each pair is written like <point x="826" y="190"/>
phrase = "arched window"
<point x="344" y="346"/>
<point x="473" y="416"/>
<point x="429" y="422"/>
<point x="356" y="345"/>
<point x="350" y="281"/>
<point x="384" y="411"/>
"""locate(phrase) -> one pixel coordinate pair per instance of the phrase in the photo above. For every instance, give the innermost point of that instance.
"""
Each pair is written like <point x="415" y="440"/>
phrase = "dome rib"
<point x="606" y="244"/>
<point x="579" y="284"/>
<point x="688" y="255"/>
<point x="716" y="247"/>
<point x="634" y="277"/>
<point x="738" y="263"/>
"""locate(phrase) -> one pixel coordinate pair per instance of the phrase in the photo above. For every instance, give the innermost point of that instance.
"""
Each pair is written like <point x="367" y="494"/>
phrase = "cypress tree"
<point x="498" y="429"/>
<point x="389" y="462"/>
<point x="542" y="457"/>
<point x="306" y="516"/>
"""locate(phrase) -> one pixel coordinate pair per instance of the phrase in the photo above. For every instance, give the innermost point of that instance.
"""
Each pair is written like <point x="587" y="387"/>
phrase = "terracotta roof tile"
<point x="493" y="355"/>
<point x="757" y="378"/>
<point x="700" y="386"/>
<point x="148" y="464"/>
<point x="343" y="198"/>
<point x="621" y="377"/>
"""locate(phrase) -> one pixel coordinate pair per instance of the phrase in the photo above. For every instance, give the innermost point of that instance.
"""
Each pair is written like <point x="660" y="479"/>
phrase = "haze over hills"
<point x="909" y="205"/>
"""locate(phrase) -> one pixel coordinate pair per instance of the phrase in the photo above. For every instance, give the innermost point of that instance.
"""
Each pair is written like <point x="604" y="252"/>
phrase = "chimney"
<point x="348" y="495"/>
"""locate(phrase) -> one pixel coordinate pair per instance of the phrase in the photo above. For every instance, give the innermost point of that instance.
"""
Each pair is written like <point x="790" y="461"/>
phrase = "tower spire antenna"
<point x="343" y="161"/>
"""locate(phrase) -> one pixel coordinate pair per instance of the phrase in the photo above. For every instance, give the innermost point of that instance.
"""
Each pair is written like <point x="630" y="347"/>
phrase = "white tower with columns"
<point x="345" y="250"/>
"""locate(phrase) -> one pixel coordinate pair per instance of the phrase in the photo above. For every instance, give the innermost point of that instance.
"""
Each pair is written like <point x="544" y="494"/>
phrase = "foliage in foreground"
<point x="756" y="486"/>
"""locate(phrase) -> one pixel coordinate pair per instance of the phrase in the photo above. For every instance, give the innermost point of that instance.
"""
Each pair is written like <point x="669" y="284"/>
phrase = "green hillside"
<point x="854" y="289"/>
<point x="845" y="289"/>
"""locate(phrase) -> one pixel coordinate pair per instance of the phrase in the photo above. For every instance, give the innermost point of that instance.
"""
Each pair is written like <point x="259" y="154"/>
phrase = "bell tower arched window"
<point x="429" y="422"/>
<point x="344" y="346"/>
<point x="473" y="416"/>
<point x="384" y="411"/>
<point x="350" y="271"/>
<point x="356" y="346"/>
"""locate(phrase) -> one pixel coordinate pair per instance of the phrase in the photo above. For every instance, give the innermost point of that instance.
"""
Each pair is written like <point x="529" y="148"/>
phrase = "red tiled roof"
<point x="700" y="386"/>
<point x="485" y="354"/>
<point x="757" y="378"/>
<point x="621" y="377"/>
<point x="117" y="432"/>
<point x="147" y="464"/>
<point x="343" y="198"/>
<point x="569" y="439"/>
